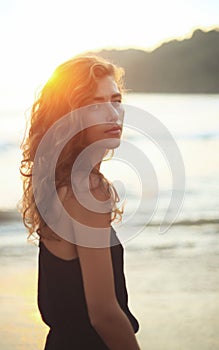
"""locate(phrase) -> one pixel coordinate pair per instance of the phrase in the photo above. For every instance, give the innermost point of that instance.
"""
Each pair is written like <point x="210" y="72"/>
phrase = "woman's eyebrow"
<point x="117" y="95"/>
<point x="102" y="98"/>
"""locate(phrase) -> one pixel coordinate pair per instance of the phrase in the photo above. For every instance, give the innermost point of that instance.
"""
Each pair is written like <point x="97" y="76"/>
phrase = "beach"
<point x="176" y="299"/>
<point x="173" y="291"/>
<point x="20" y="325"/>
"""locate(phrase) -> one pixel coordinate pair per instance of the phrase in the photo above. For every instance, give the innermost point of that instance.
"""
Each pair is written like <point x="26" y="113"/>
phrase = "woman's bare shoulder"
<point x="55" y="243"/>
<point x="92" y="208"/>
<point x="59" y="246"/>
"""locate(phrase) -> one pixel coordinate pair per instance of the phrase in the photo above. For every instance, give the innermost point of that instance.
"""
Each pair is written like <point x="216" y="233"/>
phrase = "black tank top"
<point x="62" y="302"/>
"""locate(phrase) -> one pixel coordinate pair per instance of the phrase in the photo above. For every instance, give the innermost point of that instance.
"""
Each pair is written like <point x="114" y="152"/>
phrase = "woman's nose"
<point x="113" y="112"/>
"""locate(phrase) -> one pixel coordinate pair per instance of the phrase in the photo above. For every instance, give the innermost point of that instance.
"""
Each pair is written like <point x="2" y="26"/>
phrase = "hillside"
<point x="178" y="66"/>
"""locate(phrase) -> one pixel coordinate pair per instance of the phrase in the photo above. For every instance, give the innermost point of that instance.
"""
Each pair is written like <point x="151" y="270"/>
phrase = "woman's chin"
<point x="112" y="143"/>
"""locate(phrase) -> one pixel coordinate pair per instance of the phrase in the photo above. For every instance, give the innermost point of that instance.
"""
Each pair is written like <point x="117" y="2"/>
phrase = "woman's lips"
<point x="116" y="130"/>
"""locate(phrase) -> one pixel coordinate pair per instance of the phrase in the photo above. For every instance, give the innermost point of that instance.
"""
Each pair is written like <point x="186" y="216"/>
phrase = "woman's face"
<point x="105" y="109"/>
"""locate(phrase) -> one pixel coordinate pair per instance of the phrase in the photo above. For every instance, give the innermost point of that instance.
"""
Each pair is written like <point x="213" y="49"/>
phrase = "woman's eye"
<point x="116" y="103"/>
<point x="98" y="106"/>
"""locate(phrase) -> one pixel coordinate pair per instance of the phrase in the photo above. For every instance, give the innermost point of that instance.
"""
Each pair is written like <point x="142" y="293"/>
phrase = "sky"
<point x="36" y="36"/>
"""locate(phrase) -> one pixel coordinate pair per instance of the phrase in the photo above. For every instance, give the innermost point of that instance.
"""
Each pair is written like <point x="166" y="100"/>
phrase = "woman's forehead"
<point x="106" y="87"/>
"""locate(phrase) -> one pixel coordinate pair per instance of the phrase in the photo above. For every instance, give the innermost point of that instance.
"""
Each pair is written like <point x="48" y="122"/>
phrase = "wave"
<point x="13" y="215"/>
<point x="9" y="216"/>
<point x="204" y="136"/>
<point x="199" y="136"/>
<point x="8" y="145"/>
<point x="188" y="222"/>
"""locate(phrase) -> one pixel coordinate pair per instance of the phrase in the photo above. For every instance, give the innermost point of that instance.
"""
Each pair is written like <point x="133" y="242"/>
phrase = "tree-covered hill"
<point x="178" y="66"/>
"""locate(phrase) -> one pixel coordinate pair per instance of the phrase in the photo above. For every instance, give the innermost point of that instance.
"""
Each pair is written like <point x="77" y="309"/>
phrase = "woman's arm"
<point x="106" y="315"/>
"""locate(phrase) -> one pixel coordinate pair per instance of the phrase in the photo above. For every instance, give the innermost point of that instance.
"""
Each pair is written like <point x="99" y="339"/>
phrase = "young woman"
<point x="82" y="293"/>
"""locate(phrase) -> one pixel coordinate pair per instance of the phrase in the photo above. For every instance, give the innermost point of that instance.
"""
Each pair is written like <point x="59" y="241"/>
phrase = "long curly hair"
<point x="70" y="87"/>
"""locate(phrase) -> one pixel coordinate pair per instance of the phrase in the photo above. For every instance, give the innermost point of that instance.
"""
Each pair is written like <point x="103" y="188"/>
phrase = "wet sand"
<point x="174" y="295"/>
<point x="176" y="300"/>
